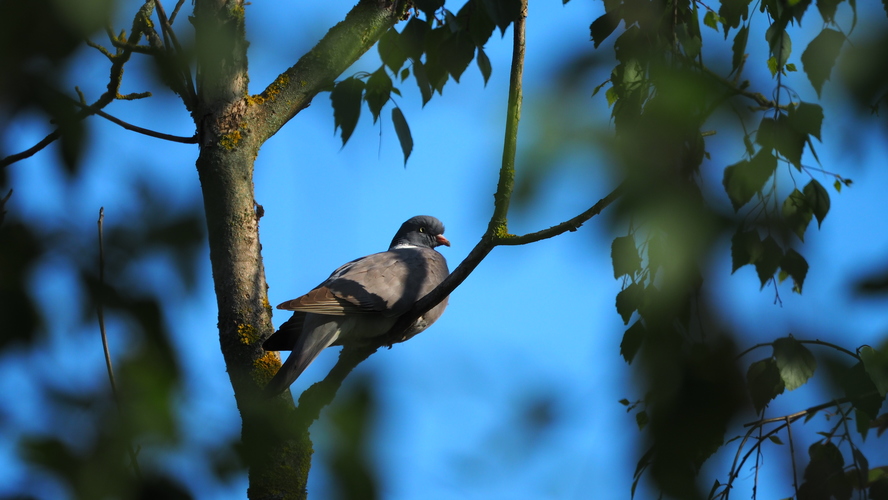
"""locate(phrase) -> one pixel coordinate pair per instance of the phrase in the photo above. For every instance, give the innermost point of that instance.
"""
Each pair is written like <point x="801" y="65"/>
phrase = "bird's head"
<point x="420" y="231"/>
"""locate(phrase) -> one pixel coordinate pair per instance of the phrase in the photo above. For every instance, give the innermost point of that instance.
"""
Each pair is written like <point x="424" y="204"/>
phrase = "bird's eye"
<point x="422" y="230"/>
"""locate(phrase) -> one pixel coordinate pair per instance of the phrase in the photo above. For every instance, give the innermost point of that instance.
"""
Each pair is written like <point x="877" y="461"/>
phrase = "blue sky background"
<point x="533" y="323"/>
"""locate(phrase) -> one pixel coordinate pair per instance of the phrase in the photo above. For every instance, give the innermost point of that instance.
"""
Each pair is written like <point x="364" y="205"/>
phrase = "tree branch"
<point x="293" y="90"/>
<point x="135" y="128"/>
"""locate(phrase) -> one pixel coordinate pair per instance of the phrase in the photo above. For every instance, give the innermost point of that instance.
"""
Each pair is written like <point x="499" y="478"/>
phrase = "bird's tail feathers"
<point x="306" y="350"/>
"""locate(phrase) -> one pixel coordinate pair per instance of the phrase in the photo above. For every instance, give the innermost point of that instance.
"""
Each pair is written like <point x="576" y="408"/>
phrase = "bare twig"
<point x="795" y="475"/>
<point x="145" y="131"/>
<point x="176" y="11"/>
<point x="132" y="452"/>
<point x="46" y="141"/>
<point x="815" y="342"/>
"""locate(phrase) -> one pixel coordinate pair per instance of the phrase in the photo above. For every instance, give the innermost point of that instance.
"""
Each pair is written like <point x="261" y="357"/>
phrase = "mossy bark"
<point x="232" y="126"/>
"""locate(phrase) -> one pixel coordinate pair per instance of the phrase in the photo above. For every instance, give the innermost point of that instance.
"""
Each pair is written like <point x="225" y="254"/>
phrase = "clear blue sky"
<point x="532" y="323"/>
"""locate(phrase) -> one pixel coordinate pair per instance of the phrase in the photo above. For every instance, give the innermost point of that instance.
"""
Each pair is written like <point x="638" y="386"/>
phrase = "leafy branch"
<point x="322" y="393"/>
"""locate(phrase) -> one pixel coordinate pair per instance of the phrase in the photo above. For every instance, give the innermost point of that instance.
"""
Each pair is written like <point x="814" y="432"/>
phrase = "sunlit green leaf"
<point x="795" y="362"/>
<point x="780" y="44"/>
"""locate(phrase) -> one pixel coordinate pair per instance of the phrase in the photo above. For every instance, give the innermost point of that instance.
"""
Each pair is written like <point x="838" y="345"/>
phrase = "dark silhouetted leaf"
<point x="744" y="179"/>
<point x="860" y="389"/>
<point x="806" y="118"/>
<point x="797" y="213"/>
<point x="739" y="47"/>
<point x="820" y="56"/>
<point x="346" y="98"/>
<point x="379" y="89"/>
<point x="827" y="9"/>
<point x="625" y="256"/>
<point x="641" y="419"/>
<point x="473" y="15"/>
<point x="632" y="340"/>
<point x="403" y="131"/>
<point x="765" y="383"/>
<point x="732" y="11"/>
<point x="429" y="7"/>
<point x="412" y="38"/>
<point x="795" y="362"/>
<point x="818" y="200"/>
<point x="629" y="300"/>
<point x="796" y="266"/>
<point x="503" y="12"/>
<point x="422" y="81"/>
<point x="768" y="262"/>
<point x="780" y="134"/>
<point x="602" y="27"/>
<point x="824" y="475"/>
<point x="746" y="248"/>
<point x="483" y="65"/>
<point x="876" y="364"/>
<point x="456" y="54"/>
<point x="390" y="50"/>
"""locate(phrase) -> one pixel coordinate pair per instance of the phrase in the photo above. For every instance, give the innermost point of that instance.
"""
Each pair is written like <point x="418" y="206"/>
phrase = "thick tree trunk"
<point x="232" y="125"/>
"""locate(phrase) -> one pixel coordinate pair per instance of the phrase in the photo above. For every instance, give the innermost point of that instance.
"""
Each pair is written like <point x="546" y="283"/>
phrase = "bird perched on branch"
<point x="363" y="299"/>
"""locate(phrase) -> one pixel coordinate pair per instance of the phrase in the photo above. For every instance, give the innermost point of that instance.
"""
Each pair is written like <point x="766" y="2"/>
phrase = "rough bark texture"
<point x="232" y="125"/>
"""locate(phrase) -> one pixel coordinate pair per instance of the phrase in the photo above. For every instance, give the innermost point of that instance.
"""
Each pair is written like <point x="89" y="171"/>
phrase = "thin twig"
<point x="46" y="141"/>
<point x="132" y="452"/>
<point x="795" y="475"/>
<point x="145" y="131"/>
<point x="176" y="11"/>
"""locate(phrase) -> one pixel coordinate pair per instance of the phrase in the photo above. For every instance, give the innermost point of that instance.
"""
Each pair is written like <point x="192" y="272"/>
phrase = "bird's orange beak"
<point x="442" y="240"/>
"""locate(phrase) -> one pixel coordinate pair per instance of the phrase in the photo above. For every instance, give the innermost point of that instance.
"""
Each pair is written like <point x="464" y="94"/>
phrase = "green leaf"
<point x="876" y="364"/>
<point x="747" y="177"/>
<point x="379" y="89"/>
<point x="795" y="266"/>
<point x="820" y="56"/>
<point x="739" y="47"/>
<point x="403" y="131"/>
<point x="405" y="73"/>
<point x="602" y="27"/>
<point x="818" y="200"/>
<point x="629" y="300"/>
<point x="780" y="44"/>
<point x="838" y="186"/>
<point x="480" y="26"/>
<point x="611" y="96"/>
<point x="769" y="260"/>
<point x="483" y="64"/>
<point x="390" y="50"/>
<point x="625" y="256"/>
<point x="764" y="382"/>
<point x="772" y="66"/>
<point x="797" y="213"/>
<point x="774" y="439"/>
<point x="632" y="340"/>
<point x="791" y="67"/>
<point x="691" y="42"/>
<point x="346" y="99"/>
<point x="795" y="362"/>
<point x="711" y="19"/>
<point x="746" y="248"/>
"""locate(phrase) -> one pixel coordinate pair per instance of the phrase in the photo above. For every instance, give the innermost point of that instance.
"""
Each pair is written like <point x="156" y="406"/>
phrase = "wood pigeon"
<point x="363" y="299"/>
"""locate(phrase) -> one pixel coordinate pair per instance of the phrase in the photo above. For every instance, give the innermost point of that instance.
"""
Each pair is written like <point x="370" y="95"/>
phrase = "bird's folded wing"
<point x="385" y="283"/>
